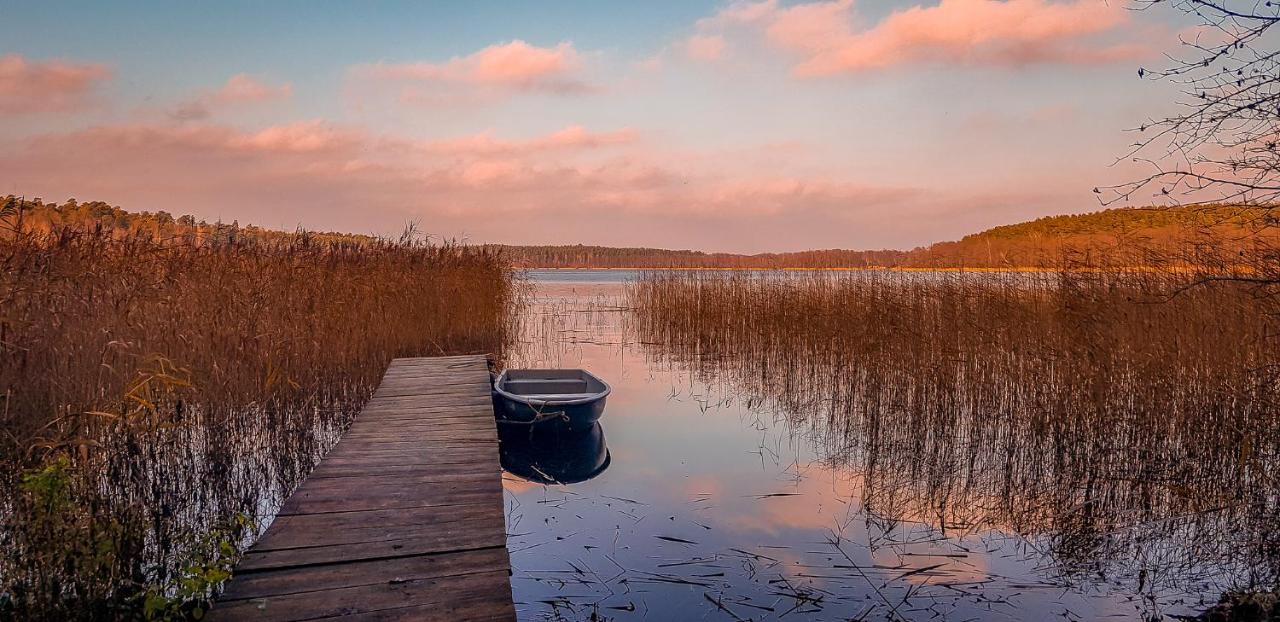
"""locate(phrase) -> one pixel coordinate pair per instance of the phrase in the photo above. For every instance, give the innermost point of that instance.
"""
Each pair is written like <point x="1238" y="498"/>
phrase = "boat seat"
<point x="539" y="387"/>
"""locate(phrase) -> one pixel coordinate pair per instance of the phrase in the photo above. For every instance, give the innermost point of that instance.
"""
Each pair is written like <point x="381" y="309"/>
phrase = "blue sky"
<point x="744" y="126"/>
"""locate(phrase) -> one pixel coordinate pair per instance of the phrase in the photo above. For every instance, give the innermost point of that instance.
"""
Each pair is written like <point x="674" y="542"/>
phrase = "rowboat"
<point x="572" y="398"/>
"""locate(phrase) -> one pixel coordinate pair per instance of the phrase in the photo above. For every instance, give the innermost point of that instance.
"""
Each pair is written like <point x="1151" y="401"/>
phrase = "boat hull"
<point x="576" y="416"/>
<point x="560" y="398"/>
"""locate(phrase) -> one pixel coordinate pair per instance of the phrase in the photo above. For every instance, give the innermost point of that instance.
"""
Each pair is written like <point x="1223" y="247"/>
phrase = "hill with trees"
<point x="1171" y="231"/>
<point x="37" y="215"/>
<point x="1038" y="243"/>
<point x="1043" y="242"/>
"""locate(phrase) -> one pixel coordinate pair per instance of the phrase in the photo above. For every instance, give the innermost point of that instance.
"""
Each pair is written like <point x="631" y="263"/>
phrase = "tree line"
<point x="1038" y="243"/>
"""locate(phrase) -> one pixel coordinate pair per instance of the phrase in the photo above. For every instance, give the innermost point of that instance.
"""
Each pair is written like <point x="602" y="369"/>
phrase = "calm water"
<point x="697" y="502"/>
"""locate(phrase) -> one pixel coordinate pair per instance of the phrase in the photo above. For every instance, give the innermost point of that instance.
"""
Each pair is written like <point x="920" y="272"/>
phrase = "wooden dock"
<point x="403" y="520"/>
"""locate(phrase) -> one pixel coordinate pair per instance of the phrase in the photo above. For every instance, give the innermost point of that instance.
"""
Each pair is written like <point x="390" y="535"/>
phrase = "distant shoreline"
<point x="1021" y="269"/>
<point x="794" y="269"/>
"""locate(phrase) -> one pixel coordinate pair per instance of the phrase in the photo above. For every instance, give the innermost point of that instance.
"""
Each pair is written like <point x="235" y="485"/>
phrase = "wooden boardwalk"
<point x="403" y="520"/>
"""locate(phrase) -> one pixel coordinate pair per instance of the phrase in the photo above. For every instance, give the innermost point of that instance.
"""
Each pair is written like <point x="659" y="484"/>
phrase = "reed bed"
<point x="160" y="396"/>
<point x="1124" y="420"/>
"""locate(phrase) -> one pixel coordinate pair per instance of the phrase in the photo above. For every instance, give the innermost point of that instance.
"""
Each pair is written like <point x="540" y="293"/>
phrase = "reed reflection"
<point x="1127" y="442"/>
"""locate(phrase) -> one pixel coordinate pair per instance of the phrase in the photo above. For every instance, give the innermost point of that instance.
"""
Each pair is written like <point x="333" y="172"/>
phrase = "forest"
<point x="1039" y="243"/>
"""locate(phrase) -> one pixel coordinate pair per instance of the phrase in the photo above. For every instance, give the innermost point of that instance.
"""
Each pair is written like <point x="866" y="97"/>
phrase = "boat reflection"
<point x="553" y="454"/>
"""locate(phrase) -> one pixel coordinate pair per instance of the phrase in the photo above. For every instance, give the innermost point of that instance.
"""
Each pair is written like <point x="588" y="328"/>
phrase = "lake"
<point x="697" y="498"/>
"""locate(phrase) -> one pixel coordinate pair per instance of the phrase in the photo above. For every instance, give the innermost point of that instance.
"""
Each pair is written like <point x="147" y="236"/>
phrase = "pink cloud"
<point x="827" y="40"/>
<point x="242" y="88"/>
<point x="239" y="89"/>
<point x="302" y="137"/>
<point x="516" y="65"/>
<point x="606" y="187"/>
<point x="571" y="137"/>
<point x="649" y="64"/>
<point x="705" y="47"/>
<point x="811" y="27"/>
<point x="46" y="86"/>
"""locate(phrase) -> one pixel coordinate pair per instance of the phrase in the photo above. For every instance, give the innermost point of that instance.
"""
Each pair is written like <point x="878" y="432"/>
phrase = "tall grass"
<point x="1125" y="420"/>
<point x="161" y="396"/>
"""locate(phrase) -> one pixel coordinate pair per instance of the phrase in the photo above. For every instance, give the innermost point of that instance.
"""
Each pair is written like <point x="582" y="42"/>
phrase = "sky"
<point x="742" y="126"/>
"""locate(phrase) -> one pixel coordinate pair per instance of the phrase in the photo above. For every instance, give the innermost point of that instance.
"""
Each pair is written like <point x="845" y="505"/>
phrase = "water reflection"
<point x="546" y="454"/>
<point x="745" y="485"/>
<point x="1144" y="459"/>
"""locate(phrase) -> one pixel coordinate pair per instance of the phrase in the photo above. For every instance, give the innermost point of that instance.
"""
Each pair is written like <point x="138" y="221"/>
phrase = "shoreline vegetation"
<point x="1041" y="244"/>
<point x="1124" y="423"/>
<point x="1186" y="269"/>
<point x="166" y="382"/>
<point x="1044" y="244"/>
<point x="162" y="390"/>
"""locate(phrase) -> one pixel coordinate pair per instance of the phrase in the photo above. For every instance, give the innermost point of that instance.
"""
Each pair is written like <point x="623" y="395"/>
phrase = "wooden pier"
<point x="403" y="520"/>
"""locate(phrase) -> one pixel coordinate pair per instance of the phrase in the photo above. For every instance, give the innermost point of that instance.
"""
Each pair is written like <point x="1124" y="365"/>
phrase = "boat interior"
<point x="551" y="383"/>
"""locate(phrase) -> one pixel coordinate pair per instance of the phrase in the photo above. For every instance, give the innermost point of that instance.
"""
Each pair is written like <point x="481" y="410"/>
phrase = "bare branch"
<point x="1222" y="144"/>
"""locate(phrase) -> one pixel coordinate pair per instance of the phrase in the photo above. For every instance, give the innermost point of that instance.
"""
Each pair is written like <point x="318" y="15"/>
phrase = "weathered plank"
<point x="403" y="520"/>
<point x="312" y="579"/>
<point x="351" y="527"/>
<point x="455" y="597"/>
<point x="363" y="470"/>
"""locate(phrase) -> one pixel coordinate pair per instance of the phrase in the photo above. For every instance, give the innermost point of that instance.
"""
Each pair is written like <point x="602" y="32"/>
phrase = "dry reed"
<point x="1125" y="420"/>
<point x="160" y="396"/>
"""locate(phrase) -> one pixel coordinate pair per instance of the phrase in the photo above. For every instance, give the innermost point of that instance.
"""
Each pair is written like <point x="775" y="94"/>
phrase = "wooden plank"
<point x="469" y="408"/>
<point x="413" y="423"/>
<point x="409" y="421"/>
<point x="403" y="519"/>
<point x="380" y="439"/>
<point x="397" y="402"/>
<point x="443" y="455"/>
<point x="426" y="381"/>
<point x="362" y="470"/>
<point x="445" y="419"/>
<point x="423" y="542"/>
<point x="412" y="479"/>
<point x="442" y="464"/>
<point x="470" y="533"/>
<point x="439" y="385"/>
<point x="392" y="410"/>
<point x="325" y="577"/>
<point x="414" y="431"/>
<point x="427" y="446"/>
<point x="461" y="438"/>
<point x="381" y="447"/>
<point x="450" y="598"/>
<point x="321" y="529"/>
<point x="417" y="433"/>
<point x="423" y="438"/>
<point x="468" y="521"/>
<point x="439" y="360"/>
<point x="413" y="389"/>
<point x="394" y="378"/>
<point x="441" y="470"/>
<point x="367" y="495"/>
<point x="424" y="417"/>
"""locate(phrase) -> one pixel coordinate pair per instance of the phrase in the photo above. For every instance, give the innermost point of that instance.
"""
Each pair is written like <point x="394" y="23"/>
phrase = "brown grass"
<point x="157" y="390"/>
<point x="1125" y="420"/>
